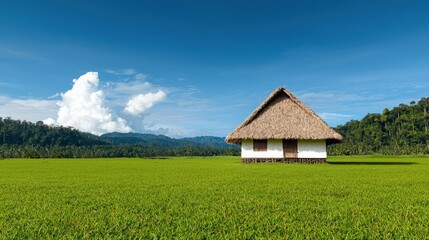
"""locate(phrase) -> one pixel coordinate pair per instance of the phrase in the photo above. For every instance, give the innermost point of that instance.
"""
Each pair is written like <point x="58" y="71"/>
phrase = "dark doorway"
<point x="290" y="148"/>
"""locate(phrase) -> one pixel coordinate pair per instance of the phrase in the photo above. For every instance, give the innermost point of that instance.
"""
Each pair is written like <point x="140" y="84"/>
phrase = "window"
<point x="260" y="145"/>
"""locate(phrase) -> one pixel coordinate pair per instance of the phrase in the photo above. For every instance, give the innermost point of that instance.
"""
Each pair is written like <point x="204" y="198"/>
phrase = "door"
<point x="290" y="148"/>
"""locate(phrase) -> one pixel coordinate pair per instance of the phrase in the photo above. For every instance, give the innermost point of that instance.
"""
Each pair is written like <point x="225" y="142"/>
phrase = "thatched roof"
<point x="283" y="116"/>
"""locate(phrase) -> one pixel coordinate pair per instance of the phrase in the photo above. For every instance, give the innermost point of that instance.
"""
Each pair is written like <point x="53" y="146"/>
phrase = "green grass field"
<point x="219" y="197"/>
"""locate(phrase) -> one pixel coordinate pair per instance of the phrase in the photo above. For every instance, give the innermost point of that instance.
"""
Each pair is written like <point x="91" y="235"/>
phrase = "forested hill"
<point x="401" y="130"/>
<point x="16" y="132"/>
<point x="22" y="139"/>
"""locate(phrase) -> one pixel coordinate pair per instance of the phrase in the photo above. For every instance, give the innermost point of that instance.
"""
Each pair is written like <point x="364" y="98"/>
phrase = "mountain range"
<point x="23" y="133"/>
<point x="151" y="140"/>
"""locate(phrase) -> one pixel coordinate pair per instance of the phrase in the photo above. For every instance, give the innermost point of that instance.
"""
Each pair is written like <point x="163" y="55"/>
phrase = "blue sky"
<point x="201" y="67"/>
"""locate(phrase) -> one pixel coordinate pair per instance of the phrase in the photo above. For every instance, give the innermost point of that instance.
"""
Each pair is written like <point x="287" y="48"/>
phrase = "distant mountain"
<point x="151" y="140"/>
<point x="210" y="141"/>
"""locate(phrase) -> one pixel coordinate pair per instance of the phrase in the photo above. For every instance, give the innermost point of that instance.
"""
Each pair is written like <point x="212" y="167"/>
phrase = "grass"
<point x="188" y="198"/>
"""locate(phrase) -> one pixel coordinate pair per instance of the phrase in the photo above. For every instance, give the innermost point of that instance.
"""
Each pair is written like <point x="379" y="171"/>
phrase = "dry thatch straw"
<point x="283" y="116"/>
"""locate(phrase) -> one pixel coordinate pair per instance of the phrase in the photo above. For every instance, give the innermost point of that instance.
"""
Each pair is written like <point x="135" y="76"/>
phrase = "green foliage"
<point x="402" y="130"/>
<point x="16" y="132"/>
<point x="21" y="139"/>
<point x="112" y="151"/>
<point x="214" y="198"/>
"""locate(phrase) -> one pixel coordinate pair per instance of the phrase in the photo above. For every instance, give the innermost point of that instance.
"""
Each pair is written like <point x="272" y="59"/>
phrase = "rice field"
<point x="215" y="197"/>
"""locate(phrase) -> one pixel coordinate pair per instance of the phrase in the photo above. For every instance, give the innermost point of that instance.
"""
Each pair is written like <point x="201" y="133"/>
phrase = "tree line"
<point x="401" y="130"/>
<point x="22" y="139"/>
<point x="17" y="132"/>
<point x="109" y="151"/>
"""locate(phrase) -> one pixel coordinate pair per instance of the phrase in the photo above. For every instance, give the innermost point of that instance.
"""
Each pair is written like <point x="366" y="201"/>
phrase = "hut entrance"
<point x="290" y="148"/>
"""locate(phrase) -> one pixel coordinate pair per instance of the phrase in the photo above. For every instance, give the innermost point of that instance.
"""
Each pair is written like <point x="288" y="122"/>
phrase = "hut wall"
<point x="306" y="149"/>
<point x="274" y="149"/>
<point x="312" y="149"/>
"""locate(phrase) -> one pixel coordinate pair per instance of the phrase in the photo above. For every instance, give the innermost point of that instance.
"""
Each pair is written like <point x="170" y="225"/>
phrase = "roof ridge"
<point x="306" y="128"/>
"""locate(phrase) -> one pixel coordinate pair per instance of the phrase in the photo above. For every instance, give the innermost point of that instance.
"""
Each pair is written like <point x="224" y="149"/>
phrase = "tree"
<point x="401" y="130"/>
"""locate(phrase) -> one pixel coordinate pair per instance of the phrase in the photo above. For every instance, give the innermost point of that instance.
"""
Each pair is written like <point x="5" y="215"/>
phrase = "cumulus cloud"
<point x="27" y="109"/>
<point x="142" y="102"/>
<point x="83" y="107"/>
<point x="49" y="121"/>
<point x="122" y="105"/>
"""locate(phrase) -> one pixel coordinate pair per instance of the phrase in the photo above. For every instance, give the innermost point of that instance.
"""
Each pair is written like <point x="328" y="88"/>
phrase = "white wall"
<point x="306" y="149"/>
<point x="274" y="149"/>
<point x="312" y="149"/>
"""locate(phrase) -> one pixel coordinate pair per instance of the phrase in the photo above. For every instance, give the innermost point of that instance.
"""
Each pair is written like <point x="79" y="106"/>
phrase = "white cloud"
<point x="83" y="107"/>
<point x="127" y="72"/>
<point x="127" y="88"/>
<point x="56" y="95"/>
<point x="142" y="102"/>
<point x="187" y="112"/>
<point x="27" y="109"/>
<point x="123" y="105"/>
<point x="49" y="121"/>
<point x="140" y="76"/>
<point x="330" y="116"/>
<point x="95" y="107"/>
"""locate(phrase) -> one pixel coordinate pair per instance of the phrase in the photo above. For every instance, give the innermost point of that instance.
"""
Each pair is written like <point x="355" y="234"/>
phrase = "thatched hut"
<point x="282" y="129"/>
